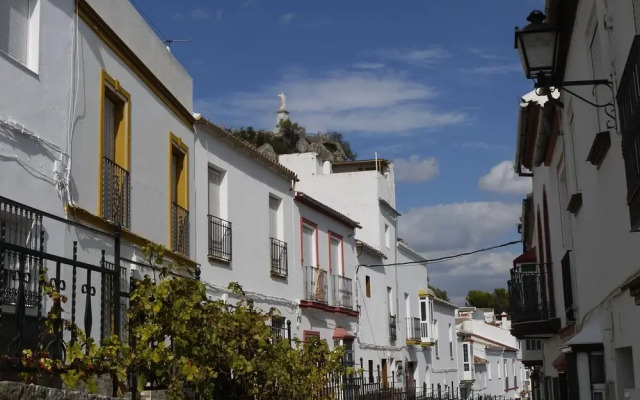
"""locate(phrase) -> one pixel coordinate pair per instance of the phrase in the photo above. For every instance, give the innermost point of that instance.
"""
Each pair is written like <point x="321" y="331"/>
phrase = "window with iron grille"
<point x="220" y="230"/>
<point x="179" y="189"/>
<point x="628" y="99"/>
<point x="279" y="326"/>
<point x="115" y="181"/>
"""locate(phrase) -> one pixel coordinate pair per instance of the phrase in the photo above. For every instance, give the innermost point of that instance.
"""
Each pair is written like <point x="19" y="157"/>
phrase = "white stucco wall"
<point x="149" y="141"/>
<point x="39" y="102"/>
<point x="129" y="25"/>
<point x="445" y="368"/>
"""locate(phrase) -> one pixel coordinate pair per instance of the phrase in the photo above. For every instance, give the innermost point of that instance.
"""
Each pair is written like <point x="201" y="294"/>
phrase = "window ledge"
<point x="220" y="259"/>
<point x="279" y="275"/>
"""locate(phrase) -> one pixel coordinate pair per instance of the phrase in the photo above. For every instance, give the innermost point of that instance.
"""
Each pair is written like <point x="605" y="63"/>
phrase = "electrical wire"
<point x="443" y="259"/>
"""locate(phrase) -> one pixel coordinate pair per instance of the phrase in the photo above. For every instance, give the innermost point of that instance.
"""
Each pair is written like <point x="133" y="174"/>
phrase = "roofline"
<point x="444" y="302"/>
<point x="372" y="160"/>
<point x="388" y="206"/>
<point x="410" y="250"/>
<point x="493" y="342"/>
<point x="370" y="249"/>
<point x="325" y="209"/>
<point x="252" y="150"/>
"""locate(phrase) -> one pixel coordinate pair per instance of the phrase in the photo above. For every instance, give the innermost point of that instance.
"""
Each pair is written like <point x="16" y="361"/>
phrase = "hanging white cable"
<point x="73" y="96"/>
<point x="28" y="166"/>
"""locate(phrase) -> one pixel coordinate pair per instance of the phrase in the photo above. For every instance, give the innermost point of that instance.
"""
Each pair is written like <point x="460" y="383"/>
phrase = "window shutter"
<point x="215" y="178"/>
<point x="14" y="28"/>
<point x="109" y="129"/>
<point x="628" y="99"/>
<point x="307" y="246"/>
<point x="335" y="256"/>
<point x="273" y="217"/>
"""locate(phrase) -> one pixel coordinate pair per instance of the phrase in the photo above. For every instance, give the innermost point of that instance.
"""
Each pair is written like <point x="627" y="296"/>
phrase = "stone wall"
<point x="15" y="391"/>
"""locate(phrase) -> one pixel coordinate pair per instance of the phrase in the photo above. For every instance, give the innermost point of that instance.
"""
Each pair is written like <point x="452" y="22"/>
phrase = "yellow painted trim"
<point x="109" y="37"/>
<point x="422" y="294"/>
<point x="127" y="235"/>
<point x="124" y="133"/>
<point x="182" y="195"/>
<point x="427" y="344"/>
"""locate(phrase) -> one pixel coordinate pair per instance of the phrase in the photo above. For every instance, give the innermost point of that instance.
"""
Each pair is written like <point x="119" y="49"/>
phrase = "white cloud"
<point x="494" y="69"/>
<point x="449" y="229"/>
<point x="456" y="226"/>
<point x="286" y="18"/>
<point x="424" y="58"/>
<point x="356" y="101"/>
<point x="218" y="15"/>
<point x="415" y="169"/>
<point x="503" y="179"/>
<point x="485" y="54"/>
<point x="368" y="65"/>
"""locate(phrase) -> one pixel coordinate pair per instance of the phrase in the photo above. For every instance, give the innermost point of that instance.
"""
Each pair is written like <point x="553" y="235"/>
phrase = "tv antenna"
<point x="168" y="42"/>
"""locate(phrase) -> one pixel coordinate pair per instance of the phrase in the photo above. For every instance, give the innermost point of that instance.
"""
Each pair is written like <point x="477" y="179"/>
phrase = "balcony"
<point x="413" y="330"/>
<point x="179" y="230"/>
<point x="315" y="284"/>
<point x="116" y="193"/>
<point x="392" y="328"/>
<point x="531" y="310"/>
<point x="342" y="292"/>
<point x="279" y="265"/>
<point x="219" y="239"/>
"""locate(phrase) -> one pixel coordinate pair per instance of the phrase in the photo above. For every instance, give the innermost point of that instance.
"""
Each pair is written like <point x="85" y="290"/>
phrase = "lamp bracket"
<point x="608" y="106"/>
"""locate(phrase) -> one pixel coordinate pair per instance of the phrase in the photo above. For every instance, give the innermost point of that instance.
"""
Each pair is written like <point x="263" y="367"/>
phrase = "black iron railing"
<point x="315" y="284"/>
<point x="179" y="230"/>
<point x="279" y="263"/>
<point x="280" y="327"/>
<point x="219" y="238"/>
<point x="342" y="292"/>
<point x="95" y="290"/>
<point x="392" y="327"/>
<point x="116" y="193"/>
<point x="22" y="227"/>
<point x="413" y="329"/>
<point x="528" y="294"/>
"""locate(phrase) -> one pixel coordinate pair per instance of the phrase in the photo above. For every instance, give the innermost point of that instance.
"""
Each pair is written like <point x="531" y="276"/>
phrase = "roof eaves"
<point x="252" y="150"/>
<point x="389" y="206"/>
<point x="327" y="210"/>
<point x="370" y="249"/>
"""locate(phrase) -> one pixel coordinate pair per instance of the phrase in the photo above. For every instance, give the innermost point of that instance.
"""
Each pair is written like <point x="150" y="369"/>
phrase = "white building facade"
<point x="581" y="220"/>
<point x="490" y="360"/>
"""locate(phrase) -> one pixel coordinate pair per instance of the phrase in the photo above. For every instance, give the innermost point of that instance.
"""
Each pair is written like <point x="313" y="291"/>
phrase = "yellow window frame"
<point x="110" y="87"/>
<point x="176" y="145"/>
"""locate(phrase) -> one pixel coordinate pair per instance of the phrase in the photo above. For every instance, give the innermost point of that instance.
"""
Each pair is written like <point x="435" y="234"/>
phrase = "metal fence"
<point x="36" y="248"/>
<point x="220" y="235"/>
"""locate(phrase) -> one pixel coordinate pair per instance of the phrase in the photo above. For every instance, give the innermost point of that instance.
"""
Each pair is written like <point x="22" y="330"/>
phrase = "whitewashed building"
<point x="396" y="335"/>
<point x="582" y="217"/>
<point x="490" y="360"/>
<point x="81" y="80"/>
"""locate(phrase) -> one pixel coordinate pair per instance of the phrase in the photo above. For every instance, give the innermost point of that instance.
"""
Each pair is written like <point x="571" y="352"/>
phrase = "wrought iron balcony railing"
<point x="342" y="292"/>
<point x="315" y="284"/>
<point x="20" y="226"/>
<point x="116" y="193"/>
<point x="392" y="327"/>
<point x="528" y="294"/>
<point x="413" y="329"/>
<point x="279" y="264"/>
<point x="179" y="230"/>
<point x="219" y="238"/>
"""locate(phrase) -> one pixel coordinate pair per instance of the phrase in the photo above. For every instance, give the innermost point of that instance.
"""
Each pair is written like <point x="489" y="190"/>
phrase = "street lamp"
<point x="537" y="44"/>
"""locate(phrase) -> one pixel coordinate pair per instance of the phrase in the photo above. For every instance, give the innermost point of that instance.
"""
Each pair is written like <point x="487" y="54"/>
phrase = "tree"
<point x="287" y="138"/>
<point x="439" y="293"/>
<point x="498" y="299"/>
<point x="179" y="339"/>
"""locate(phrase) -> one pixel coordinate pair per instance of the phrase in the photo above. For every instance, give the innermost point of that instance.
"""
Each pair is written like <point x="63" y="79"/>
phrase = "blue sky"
<point x="432" y="85"/>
